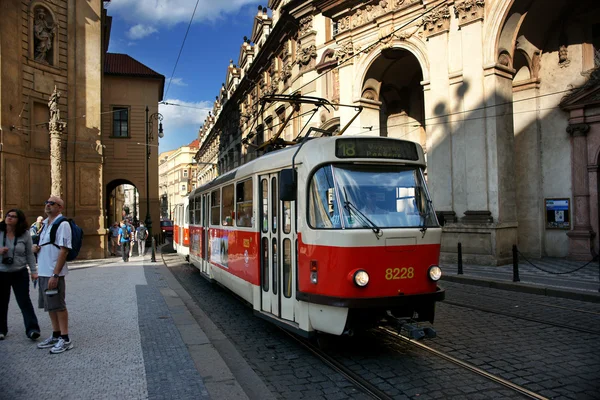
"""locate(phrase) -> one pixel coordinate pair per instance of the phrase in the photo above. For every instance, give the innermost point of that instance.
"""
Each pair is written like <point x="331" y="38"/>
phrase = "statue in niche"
<point x="563" y="56"/>
<point x="43" y="31"/>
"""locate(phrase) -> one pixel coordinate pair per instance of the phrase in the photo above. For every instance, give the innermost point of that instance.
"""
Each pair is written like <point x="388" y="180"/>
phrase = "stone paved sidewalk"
<point x="133" y="338"/>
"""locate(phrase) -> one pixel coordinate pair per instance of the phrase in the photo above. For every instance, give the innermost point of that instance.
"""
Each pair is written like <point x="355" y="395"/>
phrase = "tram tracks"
<point x="494" y="378"/>
<point x="373" y="391"/>
<point x="361" y="383"/>
<point x="522" y="317"/>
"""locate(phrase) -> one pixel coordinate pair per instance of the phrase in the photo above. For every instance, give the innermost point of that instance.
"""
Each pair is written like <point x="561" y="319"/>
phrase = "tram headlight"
<point x="361" y="278"/>
<point x="435" y="273"/>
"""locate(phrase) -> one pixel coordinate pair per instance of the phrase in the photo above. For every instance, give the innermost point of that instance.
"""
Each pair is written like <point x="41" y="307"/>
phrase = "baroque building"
<point x="176" y="177"/>
<point x="501" y="94"/>
<point x="62" y="44"/>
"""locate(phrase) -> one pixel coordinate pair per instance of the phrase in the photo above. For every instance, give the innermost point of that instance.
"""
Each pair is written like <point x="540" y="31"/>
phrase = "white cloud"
<point x="181" y="122"/>
<point x="177" y="82"/>
<point x="140" y="31"/>
<point x="171" y="12"/>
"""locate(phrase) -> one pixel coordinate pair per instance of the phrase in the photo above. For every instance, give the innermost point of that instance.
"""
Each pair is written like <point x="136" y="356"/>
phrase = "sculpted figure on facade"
<point x="437" y="21"/>
<point x="286" y="72"/>
<point x="305" y="54"/>
<point x="563" y="56"/>
<point x="369" y="12"/>
<point x="344" y="52"/>
<point x="43" y="31"/>
<point x="469" y="10"/>
<point x="306" y="25"/>
<point x="56" y="125"/>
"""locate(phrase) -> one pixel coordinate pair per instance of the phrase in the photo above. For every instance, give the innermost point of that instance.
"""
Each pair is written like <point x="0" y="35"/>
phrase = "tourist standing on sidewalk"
<point x="114" y="238"/>
<point x="141" y="235"/>
<point x="17" y="254"/>
<point x="125" y="233"/>
<point x="52" y="268"/>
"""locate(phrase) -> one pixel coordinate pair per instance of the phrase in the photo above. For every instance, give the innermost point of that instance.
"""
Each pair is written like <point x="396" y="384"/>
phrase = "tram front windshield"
<point x="367" y="196"/>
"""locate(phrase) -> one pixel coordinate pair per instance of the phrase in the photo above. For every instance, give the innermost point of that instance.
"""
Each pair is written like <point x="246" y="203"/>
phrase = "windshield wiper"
<point x="425" y="216"/>
<point x="367" y="223"/>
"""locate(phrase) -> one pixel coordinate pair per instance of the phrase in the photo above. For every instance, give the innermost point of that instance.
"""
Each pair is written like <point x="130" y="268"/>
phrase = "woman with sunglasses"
<point x="17" y="254"/>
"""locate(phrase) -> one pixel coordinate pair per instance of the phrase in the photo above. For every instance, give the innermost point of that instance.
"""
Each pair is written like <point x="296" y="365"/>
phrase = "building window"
<point x="185" y="173"/>
<point x="120" y="122"/>
<point x="183" y="187"/>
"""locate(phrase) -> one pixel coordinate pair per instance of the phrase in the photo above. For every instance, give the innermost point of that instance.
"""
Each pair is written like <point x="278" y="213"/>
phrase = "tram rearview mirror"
<point x="287" y="185"/>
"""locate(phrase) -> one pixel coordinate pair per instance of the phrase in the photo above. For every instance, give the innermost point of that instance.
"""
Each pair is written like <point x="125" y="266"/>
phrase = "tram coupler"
<point x="408" y="328"/>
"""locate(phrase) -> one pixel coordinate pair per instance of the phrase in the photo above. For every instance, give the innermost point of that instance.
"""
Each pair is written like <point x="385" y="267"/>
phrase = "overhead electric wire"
<point x="181" y="48"/>
<point x="366" y="49"/>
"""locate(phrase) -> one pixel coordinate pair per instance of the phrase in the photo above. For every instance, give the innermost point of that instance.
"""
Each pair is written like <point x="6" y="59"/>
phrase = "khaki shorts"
<point x="54" y="302"/>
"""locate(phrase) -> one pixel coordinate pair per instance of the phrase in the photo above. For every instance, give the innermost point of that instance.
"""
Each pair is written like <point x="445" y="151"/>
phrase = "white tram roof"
<point x="314" y="152"/>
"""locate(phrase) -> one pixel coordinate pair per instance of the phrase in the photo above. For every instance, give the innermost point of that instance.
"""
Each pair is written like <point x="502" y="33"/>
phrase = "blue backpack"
<point x="76" y="237"/>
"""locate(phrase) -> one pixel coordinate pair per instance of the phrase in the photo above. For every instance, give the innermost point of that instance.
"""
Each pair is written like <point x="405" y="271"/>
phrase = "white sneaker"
<point x="46" y="344"/>
<point x="61" y="346"/>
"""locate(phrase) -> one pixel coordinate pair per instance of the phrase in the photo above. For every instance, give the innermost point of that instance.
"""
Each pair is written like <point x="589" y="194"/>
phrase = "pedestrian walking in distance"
<point x="114" y="238"/>
<point x="125" y="234"/>
<point x="141" y="235"/>
<point x="52" y="269"/>
<point x="17" y="254"/>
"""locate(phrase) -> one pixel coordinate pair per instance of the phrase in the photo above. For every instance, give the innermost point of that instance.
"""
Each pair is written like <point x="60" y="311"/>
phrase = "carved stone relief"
<point x="563" y="56"/>
<point x="286" y="73"/>
<point x="305" y="55"/>
<point x="345" y="51"/>
<point x="306" y="25"/>
<point x="369" y="12"/>
<point x="336" y="85"/>
<point x="437" y="21"/>
<point x="469" y="10"/>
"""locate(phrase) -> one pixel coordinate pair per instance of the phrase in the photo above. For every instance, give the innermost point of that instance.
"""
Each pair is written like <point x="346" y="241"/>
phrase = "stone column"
<point x="439" y="140"/>
<point x="580" y="238"/>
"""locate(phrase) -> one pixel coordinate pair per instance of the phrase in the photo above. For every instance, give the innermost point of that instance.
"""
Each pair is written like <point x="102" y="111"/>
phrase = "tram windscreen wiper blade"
<point x="367" y="223"/>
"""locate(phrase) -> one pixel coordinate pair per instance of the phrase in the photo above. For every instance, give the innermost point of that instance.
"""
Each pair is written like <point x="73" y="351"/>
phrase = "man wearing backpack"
<point x="125" y="234"/>
<point x="142" y="235"/>
<point x="52" y="269"/>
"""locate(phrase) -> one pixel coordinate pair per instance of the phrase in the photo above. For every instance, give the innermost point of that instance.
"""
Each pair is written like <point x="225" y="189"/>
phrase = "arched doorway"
<point x="122" y="201"/>
<point x="549" y="48"/>
<point x="393" y="82"/>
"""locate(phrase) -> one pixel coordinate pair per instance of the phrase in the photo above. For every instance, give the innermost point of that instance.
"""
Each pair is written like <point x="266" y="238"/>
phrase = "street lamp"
<point x="156" y="116"/>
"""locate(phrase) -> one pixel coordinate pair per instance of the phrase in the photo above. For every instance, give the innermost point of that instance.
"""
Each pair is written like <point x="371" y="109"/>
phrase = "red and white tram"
<point x="331" y="235"/>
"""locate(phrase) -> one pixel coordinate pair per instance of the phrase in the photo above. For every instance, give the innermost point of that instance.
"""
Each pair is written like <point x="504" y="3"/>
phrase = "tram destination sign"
<point x="376" y="148"/>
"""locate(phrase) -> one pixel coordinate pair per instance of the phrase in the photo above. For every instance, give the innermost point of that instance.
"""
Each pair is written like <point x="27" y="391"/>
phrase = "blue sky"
<point x="151" y="31"/>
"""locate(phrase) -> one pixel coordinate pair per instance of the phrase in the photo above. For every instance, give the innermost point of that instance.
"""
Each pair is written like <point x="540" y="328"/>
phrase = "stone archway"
<point x="121" y="193"/>
<point x="543" y="46"/>
<point x="392" y="95"/>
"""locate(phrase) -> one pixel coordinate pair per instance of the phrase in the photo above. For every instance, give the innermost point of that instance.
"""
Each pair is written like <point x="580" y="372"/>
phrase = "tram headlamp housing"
<point x="361" y="278"/>
<point x="435" y="273"/>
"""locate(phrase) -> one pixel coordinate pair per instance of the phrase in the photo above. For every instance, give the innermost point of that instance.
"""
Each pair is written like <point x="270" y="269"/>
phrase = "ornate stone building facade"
<point x="488" y="88"/>
<point x="176" y="176"/>
<point x="62" y="44"/>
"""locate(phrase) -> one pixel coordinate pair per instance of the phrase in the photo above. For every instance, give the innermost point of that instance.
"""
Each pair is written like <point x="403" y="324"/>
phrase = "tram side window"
<point x="195" y="214"/>
<point x="187" y="214"/>
<point x="287" y="268"/>
<point x="215" y="207"/>
<point x="198" y="218"/>
<point x="228" y="204"/>
<point x="244" y="203"/>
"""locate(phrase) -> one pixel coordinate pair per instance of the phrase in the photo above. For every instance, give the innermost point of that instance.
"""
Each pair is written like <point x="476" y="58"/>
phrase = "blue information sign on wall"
<point x="558" y="214"/>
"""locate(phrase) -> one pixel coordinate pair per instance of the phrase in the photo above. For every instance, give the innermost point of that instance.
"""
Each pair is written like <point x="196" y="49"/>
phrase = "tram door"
<point x="181" y="219"/>
<point x="277" y="250"/>
<point x="204" y="248"/>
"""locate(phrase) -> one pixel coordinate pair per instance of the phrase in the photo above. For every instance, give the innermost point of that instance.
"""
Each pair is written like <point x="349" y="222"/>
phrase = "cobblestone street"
<point x="555" y="362"/>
